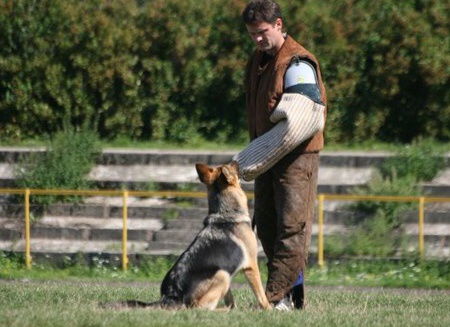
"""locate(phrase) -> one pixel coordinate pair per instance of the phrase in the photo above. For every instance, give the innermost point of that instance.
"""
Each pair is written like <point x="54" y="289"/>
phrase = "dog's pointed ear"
<point x="205" y="173"/>
<point x="230" y="172"/>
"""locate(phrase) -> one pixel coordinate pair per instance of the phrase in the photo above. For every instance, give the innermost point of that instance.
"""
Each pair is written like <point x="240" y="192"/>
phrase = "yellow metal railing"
<point x="421" y="200"/>
<point x="124" y="194"/>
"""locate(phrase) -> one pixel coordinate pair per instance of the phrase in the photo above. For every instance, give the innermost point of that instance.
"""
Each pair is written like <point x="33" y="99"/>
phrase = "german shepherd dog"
<point x="201" y="276"/>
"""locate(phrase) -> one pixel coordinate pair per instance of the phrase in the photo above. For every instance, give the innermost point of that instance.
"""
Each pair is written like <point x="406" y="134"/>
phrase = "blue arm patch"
<point x="310" y="90"/>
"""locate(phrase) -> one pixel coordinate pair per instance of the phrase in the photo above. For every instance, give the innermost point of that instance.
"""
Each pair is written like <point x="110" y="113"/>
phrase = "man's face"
<point x="266" y="36"/>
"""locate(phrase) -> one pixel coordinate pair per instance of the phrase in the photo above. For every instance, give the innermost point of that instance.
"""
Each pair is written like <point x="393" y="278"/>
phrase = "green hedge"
<point x="172" y="70"/>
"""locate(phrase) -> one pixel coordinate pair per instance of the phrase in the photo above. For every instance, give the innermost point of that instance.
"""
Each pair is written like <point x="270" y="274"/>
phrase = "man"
<point x="286" y="110"/>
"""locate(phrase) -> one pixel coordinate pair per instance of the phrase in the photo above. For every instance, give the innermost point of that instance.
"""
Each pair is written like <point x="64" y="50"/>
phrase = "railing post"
<point x="124" y="231"/>
<point x="320" y="259"/>
<point x="421" y="227"/>
<point x="27" y="229"/>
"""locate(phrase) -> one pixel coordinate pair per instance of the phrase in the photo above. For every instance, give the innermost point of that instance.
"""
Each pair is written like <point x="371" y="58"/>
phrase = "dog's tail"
<point x="131" y="304"/>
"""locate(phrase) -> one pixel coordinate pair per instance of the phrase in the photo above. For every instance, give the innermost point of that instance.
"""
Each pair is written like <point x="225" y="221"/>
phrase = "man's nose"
<point x="258" y="38"/>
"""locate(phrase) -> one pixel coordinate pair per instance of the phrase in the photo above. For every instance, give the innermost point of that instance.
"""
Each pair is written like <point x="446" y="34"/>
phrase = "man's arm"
<point x="298" y="116"/>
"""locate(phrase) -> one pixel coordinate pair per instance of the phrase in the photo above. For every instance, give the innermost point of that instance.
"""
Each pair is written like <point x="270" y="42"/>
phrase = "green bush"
<point x="68" y="158"/>
<point x="388" y="186"/>
<point x="419" y="160"/>
<point x="378" y="230"/>
<point x="173" y="70"/>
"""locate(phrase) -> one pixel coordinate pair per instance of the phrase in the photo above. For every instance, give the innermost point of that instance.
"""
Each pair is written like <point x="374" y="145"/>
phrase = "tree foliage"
<point x="173" y="70"/>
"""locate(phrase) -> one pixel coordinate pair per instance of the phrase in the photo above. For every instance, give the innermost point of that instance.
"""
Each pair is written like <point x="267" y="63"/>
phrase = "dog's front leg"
<point x="254" y="279"/>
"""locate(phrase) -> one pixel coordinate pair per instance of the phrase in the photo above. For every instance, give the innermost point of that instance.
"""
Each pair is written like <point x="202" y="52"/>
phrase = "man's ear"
<point x="279" y="23"/>
<point x="205" y="173"/>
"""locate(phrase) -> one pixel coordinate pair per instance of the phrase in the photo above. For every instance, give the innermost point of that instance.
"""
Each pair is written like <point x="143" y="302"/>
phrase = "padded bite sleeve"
<point x="296" y="119"/>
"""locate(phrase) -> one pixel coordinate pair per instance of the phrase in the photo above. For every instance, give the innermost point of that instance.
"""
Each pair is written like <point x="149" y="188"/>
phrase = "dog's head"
<point x="223" y="176"/>
<point x="224" y="190"/>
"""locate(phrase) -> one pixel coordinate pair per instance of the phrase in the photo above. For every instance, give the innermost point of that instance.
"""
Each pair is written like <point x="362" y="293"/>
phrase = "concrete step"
<point x="66" y="252"/>
<point x="144" y="177"/>
<point x="182" y="230"/>
<point x="171" y="209"/>
<point x="433" y="233"/>
<point x="80" y="228"/>
<point x="125" y="165"/>
<point x="112" y="207"/>
<point x="436" y="230"/>
<point x="136" y="169"/>
<point x="93" y="223"/>
<point x="173" y="212"/>
<point x="184" y="224"/>
<point x="436" y="245"/>
<point x="187" y="157"/>
<point x="127" y="156"/>
<point x="73" y="246"/>
<point x="332" y="179"/>
<point x="83" y="234"/>
<point x="169" y="218"/>
<point x="439" y="214"/>
<point x="431" y="216"/>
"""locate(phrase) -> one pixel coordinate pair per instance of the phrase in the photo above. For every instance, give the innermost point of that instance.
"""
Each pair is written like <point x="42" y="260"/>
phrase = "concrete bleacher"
<point x="161" y="226"/>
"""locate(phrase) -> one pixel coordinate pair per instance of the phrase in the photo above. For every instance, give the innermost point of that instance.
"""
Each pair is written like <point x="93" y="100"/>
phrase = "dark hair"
<point x="261" y="11"/>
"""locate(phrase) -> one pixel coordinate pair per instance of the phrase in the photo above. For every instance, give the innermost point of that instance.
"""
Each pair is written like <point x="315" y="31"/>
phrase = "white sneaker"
<point x="285" y="304"/>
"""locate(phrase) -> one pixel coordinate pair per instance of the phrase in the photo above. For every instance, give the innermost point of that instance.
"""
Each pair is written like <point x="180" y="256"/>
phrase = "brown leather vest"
<point x="265" y="85"/>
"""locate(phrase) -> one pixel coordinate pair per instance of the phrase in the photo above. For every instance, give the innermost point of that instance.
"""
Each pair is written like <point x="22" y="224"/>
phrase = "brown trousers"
<point x="284" y="211"/>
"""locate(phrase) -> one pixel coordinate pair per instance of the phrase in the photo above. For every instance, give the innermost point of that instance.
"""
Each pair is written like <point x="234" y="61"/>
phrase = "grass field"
<point x="344" y="293"/>
<point x="68" y="303"/>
